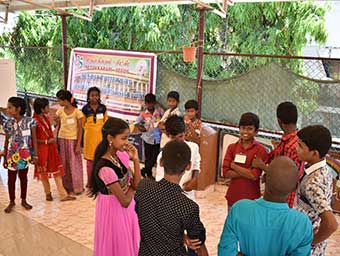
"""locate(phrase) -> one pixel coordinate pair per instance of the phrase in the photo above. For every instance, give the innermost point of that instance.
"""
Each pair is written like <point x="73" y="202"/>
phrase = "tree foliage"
<point x="263" y="28"/>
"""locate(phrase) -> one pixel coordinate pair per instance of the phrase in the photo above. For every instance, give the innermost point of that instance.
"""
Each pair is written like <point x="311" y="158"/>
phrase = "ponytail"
<point x="67" y="95"/>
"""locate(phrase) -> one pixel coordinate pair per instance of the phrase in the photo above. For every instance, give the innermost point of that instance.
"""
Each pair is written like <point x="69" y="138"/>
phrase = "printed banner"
<point x="123" y="77"/>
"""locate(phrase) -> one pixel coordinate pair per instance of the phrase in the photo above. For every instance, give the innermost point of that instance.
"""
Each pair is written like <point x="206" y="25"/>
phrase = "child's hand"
<point x="257" y="163"/>
<point x="77" y="149"/>
<point x="5" y="165"/>
<point x="35" y="160"/>
<point x="190" y="185"/>
<point x="51" y="141"/>
<point x="232" y="165"/>
<point x="186" y="119"/>
<point x="275" y="143"/>
<point x="193" y="244"/>
<point x="132" y="151"/>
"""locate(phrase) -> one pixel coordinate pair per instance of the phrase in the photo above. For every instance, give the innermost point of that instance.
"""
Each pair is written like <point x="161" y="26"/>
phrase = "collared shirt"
<point x="20" y="145"/>
<point x="69" y="123"/>
<point x="314" y="195"/>
<point x="164" y="213"/>
<point x="287" y="147"/>
<point x="241" y="187"/>
<point x="150" y="121"/>
<point x="265" y="228"/>
<point x="195" y="165"/>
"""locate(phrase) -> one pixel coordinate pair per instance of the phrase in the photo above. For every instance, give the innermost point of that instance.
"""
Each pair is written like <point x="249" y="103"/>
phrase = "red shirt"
<point x="287" y="147"/>
<point x="241" y="187"/>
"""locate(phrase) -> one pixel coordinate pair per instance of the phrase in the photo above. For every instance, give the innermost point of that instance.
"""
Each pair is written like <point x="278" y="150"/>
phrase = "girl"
<point x="116" y="226"/>
<point x="20" y="137"/>
<point x="49" y="163"/>
<point x="69" y="133"/>
<point x="95" y="116"/>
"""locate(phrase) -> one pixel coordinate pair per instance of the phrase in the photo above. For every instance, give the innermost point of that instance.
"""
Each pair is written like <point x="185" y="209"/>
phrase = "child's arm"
<point x="133" y="153"/>
<point x="228" y="158"/>
<point x="35" y="144"/>
<point x="5" y="151"/>
<point x="327" y="227"/>
<point x="79" y="135"/>
<point x="244" y="172"/>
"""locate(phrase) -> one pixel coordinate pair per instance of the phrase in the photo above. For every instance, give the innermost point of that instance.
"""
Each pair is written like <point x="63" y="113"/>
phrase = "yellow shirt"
<point x="93" y="123"/>
<point x="69" y="123"/>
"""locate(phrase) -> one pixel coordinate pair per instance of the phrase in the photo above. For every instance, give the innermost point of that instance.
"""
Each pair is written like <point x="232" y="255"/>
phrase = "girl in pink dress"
<point x="114" y="185"/>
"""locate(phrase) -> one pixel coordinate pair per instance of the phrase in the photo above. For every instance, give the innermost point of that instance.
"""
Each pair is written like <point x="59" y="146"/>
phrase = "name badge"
<point x="240" y="159"/>
<point x="70" y="121"/>
<point x="100" y="116"/>
<point x="26" y="133"/>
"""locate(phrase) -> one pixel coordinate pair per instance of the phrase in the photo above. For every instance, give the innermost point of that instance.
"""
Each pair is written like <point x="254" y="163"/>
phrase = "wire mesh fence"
<point x="233" y="83"/>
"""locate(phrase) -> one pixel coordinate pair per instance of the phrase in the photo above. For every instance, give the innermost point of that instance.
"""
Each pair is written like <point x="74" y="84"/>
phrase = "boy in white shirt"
<point x="172" y="102"/>
<point x="175" y="129"/>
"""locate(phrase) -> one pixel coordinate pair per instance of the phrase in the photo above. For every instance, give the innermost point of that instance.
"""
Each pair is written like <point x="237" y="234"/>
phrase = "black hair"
<point x="150" y="98"/>
<point x="249" y="119"/>
<point x="39" y="104"/>
<point x="18" y="103"/>
<point x="66" y="95"/>
<point x="191" y="104"/>
<point x="93" y="89"/>
<point x="176" y="156"/>
<point x="316" y="137"/>
<point x="174" y="95"/>
<point x="112" y="126"/>
<point x="287" y="113"/>
<point x="174" y="125"/>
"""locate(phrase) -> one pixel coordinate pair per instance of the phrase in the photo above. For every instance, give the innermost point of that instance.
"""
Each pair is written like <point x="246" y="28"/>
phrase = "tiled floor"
<point x="66" y="228"/>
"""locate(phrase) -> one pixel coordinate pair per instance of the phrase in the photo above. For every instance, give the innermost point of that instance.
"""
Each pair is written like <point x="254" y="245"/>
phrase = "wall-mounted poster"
<point x="124" y="77"/>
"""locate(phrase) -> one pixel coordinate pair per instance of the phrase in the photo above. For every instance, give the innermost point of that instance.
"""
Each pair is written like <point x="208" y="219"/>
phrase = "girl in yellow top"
<point x="69" y="133"/>
<point x="95" y="115"/>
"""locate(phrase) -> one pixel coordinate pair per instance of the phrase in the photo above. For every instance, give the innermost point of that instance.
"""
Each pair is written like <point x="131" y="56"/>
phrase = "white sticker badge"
<point x="26" y="132"/>
<point x="70" y="121"/>
<point x="100" y="116"/>
<point x="240" y="159"/>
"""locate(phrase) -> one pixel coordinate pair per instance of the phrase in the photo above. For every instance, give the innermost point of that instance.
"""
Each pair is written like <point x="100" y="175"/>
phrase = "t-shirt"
<point x="195" y="165"/>
<point x="69" y="123"/>
<point x="20" y="145"/>
<point x="264" y="228"/>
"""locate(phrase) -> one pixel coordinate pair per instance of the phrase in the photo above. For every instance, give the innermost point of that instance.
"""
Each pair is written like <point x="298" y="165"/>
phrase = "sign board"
<point x="124" y="77"/>
<point x="7" y="81"/>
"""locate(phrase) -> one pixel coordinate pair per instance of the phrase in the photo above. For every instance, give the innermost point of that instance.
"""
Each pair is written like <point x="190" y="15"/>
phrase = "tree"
<point x="262" y="28"/>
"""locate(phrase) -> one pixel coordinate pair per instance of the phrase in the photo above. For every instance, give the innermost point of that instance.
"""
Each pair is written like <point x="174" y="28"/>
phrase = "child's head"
<point x="314" y="143"/>
<point x="93" y="95"/>
<point x="172" y="99"/>
<point x="176" y="157"/>
<point x="65" y="98"/>
<point x="249" y="125"/>
<point x="175" y="127"/>
<point x="16" y="107"/>
<point x="41" y="106"/>
<point x="286" y="113"/>
<point x="150" y="101"/>
<point x="191" y="108"/>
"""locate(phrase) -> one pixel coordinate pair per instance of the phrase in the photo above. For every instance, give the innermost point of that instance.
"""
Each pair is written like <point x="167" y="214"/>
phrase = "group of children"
<point x="140" y="216"/>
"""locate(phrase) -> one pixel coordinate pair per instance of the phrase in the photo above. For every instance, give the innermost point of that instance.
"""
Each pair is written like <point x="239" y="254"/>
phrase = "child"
<point x="175" y="129"/>
<point x="192" y="123"/>
<point x="20" y="138"/>
<point x="95" y="115"/>
<point x="314" y="192"/>
<point x="147" y="123"/>
<point x="116" y="226"/>
<point x="164" y="213"/>
<point x="69" y="132"/>
<point x="49" y="163"/>
<point x="237" y="164"/>
<point x="172" y="101"/>
<point x="287" y="116"/>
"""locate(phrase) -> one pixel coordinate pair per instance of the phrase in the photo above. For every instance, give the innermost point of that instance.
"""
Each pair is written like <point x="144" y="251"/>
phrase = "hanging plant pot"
<point x="189" y="53"/>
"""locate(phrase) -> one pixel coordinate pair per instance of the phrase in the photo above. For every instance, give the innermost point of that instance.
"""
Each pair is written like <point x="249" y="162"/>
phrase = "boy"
<point x="147" y="123"/>
<point x="164" y="213"/>
<point x="258" y="225"/>
<point x="314" y="192"/>
<point x="175" y="129"/>
<point x="287" y="116"/>
<point x="172" y="102"/>
<point x="237" y="164"/>
<point x="192" y="123"/>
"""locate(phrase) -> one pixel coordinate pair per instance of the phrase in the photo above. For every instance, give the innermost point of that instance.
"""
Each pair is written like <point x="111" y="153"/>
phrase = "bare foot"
<point x="9" y="207"/>
<point x="49" y="197"/>
<point x="68" y="198"/>
<point x="26" y="205"/>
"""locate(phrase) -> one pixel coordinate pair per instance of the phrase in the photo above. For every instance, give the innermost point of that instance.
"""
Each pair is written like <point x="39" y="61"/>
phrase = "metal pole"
<point x="65" y="60"/>
<point x="200" y="56"/>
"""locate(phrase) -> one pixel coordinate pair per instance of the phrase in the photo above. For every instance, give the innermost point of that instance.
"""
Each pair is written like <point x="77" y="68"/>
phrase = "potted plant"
<point x="189" y="49"/>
